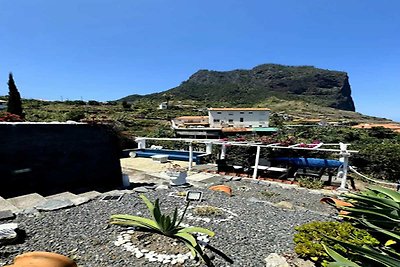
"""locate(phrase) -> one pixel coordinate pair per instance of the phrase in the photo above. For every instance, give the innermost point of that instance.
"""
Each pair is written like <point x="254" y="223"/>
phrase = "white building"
<point x="239" y="117"/>
<point x="163" y="105"/>
<point x="3" y="104"/>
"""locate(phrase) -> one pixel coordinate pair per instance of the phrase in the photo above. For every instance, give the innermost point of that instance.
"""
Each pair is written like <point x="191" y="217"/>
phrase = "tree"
<point x="14" y="105"/>
<point x="126" y="105"/>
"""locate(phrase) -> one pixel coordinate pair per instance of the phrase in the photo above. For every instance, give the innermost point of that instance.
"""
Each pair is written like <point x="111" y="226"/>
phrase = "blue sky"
<point x="107" y="49"/>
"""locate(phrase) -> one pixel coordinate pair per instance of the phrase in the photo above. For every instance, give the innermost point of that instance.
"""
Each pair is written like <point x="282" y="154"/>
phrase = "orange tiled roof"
<point x="393" y="126"/>
<point x="239" y="109"/>
<point x="236" y="129"/>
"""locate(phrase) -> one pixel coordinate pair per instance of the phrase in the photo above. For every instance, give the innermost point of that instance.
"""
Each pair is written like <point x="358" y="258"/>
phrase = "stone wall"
<point x="49" y="158"/>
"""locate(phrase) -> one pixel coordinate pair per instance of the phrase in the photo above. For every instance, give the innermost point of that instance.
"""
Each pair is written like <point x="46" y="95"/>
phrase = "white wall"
<point x="251" y="118"/>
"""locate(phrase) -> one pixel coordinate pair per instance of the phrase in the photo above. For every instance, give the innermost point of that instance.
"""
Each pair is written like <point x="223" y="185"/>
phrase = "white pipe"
<point x="256" y="163"/>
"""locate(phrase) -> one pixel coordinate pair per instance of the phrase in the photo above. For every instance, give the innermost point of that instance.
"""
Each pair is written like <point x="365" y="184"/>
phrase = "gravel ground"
<point x="259" y="229"/>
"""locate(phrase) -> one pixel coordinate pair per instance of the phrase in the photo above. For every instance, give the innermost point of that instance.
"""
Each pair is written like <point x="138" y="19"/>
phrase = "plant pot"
<point x="42" y="259"/>
<point x="222" y="188"/>
<point x="177" y="177"/>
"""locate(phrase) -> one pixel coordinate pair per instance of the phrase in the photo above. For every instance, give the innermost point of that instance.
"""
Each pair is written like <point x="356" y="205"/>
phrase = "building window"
<point x="241" y="112"/>
<point x="230" y="120"/>
<point x="250" y="112"/>
<point x="250" y="126"/>
<point x="260" y="125"/>
<point x="219" y="112"/>
<point x="216" y="120"/>
<point x="241" y="119"/>
<point x="230" y="114"/>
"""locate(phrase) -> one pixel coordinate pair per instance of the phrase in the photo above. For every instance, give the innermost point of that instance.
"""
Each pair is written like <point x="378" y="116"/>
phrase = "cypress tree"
<point x="14" y="105"/>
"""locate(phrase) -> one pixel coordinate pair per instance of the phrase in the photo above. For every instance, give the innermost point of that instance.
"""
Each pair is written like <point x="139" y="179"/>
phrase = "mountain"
<point x="251" y="87"/>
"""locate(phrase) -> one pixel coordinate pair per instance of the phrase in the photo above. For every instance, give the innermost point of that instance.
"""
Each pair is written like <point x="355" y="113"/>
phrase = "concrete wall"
<point x="53" y="158"/>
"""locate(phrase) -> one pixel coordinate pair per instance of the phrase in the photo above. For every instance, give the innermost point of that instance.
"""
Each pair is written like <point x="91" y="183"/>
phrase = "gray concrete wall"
<point x="53" y="158"/>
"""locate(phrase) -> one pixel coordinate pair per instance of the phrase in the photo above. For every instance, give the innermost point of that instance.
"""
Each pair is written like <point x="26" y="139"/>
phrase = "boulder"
<point x="284" y="205"/>
<point x="275" y="260"/>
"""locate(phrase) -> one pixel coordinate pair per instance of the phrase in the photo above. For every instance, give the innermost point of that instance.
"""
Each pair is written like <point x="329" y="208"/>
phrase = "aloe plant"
<point x="169" y="226"/>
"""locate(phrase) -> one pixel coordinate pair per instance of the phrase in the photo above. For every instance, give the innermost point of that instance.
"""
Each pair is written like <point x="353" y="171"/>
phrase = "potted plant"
<point x="177" y="174"/>
<point x="42" y="259"/>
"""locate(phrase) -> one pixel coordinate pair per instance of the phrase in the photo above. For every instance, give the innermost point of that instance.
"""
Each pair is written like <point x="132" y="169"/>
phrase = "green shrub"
<point x="311" y="183"/>
<point x="75" y="115"/>
<point x="310" y="237"/>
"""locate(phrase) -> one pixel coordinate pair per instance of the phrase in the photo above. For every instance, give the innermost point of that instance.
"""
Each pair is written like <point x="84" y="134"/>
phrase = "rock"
<point x="151" y="186"/>
<point x="6" y="215"/>
<point x="274" y="260"/>
<point x="302" y="263"/>
<point x="7" y="232"/>
<point x="11" y="226"/>
<point x="255" y="200"/>
<point x="180" y="260"/>
<point x="139" y="255"/>
<point x="30" y="212"/>
<point x="117" y="243"/>
<point x="54" y="204"/>
<point x="267" y="79"/>
<point x="80" y="200"/>
<point x="162" y="187"/>
<point x="141" y="189"/>
<point x="7" y="235"/>
<point x="211" y="255"/>
<point x="284" y="205"/>
<point x="227" y="178"/>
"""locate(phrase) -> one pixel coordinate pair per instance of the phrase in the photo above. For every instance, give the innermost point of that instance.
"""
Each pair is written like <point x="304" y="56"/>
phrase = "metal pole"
<point x="209" y="148"/>
<point x="223" y="151"/>
<point x="141" y="143"/>
<point x="345" y="158"/>
<point x="256" y="163"/>
<point x="190" y="156"/>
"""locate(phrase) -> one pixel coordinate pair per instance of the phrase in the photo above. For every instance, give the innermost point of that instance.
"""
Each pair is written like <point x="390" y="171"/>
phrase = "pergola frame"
<point x="340" y="148"/>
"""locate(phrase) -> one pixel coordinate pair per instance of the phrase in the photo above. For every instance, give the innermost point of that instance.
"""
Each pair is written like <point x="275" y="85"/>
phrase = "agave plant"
<point x="376" y="209"/>
<point x="169" y="226"/>
<point x="368" y="256"/>
<point x="377" y="206"/>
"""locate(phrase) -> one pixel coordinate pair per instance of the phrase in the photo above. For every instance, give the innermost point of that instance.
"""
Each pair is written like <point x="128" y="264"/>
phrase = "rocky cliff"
<point x="249" y="87"/>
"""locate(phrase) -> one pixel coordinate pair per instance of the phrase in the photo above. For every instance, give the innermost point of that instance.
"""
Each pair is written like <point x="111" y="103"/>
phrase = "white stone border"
<point x="190" y="216"/>
<point x="124" y="241"/>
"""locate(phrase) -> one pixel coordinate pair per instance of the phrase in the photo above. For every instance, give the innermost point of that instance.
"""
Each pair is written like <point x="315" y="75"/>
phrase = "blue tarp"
<point x="311" y="162"/>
